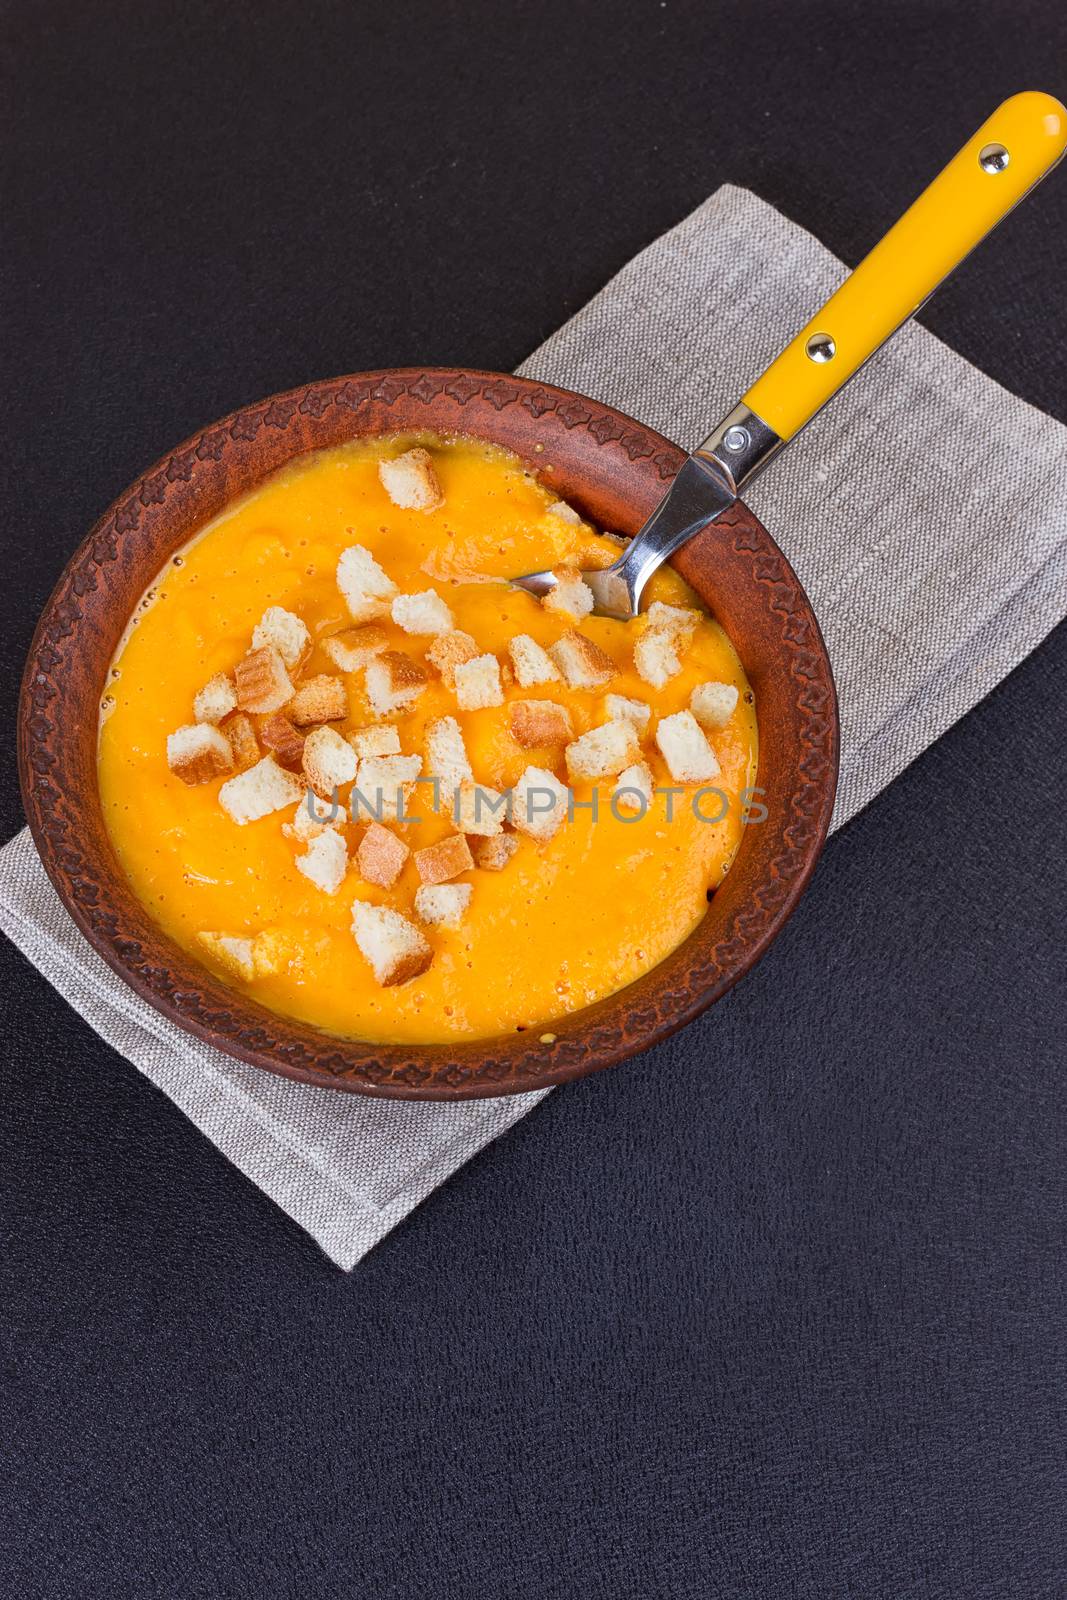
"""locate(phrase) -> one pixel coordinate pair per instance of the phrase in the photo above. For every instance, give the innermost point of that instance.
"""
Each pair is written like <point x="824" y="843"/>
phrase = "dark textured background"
<point x="778" y="1312"/>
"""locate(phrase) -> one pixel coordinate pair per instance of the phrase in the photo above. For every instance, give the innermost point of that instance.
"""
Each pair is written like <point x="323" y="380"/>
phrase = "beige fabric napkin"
<point x="925" y="510"/>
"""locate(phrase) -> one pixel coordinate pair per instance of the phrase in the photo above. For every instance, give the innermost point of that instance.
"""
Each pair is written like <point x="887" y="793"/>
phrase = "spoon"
<point x="1011" y="152"/>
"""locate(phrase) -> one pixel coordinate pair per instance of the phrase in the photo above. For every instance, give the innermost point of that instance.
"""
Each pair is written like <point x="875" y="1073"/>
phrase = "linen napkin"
<point x="926" y="512"/>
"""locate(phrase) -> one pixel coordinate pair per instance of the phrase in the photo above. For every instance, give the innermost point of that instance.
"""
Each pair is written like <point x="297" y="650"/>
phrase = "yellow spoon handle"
<point x="1011" y="152"/>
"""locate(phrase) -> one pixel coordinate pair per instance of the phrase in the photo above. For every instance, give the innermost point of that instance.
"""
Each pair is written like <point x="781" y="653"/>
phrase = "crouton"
<point x="679" y="620"/>
<point x="247" y="958"/>
<point x="325" y="861"/>
<point x="538" y="804"/>
<point x="571" y="597"/>
<point x="493" y="855"/>
<point x="478" y="683"/>
<point x="352" y="649"/>
<point x="446" y="756"/>
<point x="262" y="682"/>
<point x="216" y="699"/>
<point x="411" y="481"/>
<point x="382" y="741"/>
<point x="713" y="704"/>
<point x="236" y="955"/>
<point x="367" y="590"/>
<point x="286" y="633"/>
<point x="243" y="742"/>
<point x="279" y="736"/>
<point x="393" y="947"/>
<point x="685" y="749"/>
<point x="422" y="613"/>
<point x="448" y="651"/>
<point x="309" y="819"/>
<point x="619" y="709"/>
<point x="444" y="860"/>
<point x="536" y="724"/>
<point x="582" y="663"/>
<point x="199" y="752"/>
<point x="394" y="682"/>
<point x="384" y="784"/>
<point x="264" y="788"/>
<point x="479" y="810"/>
<point x="328" y="761"/>
<point x="560" y="508"/>
<point x="443" y="905"/>
<point x="532" y="664"/>
<point x="319" y="699"/>
<point x="656" y="656"/>
<point x="660" y="646"/>
<point x="381" y="856"/>
<point x="272" y="950"/>
<point x="602" y="752"/>
<point x="634" y="789"/>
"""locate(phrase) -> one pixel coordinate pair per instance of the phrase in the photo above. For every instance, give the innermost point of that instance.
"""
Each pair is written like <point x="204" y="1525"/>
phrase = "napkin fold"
<point x="926" y="513"/>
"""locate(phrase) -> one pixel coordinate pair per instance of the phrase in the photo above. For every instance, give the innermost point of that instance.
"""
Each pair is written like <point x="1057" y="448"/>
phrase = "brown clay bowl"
<point x="615" y="470"/>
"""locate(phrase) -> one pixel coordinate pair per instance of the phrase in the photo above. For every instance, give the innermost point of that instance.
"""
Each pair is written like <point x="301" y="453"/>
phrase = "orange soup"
<point x="535" y="921"/>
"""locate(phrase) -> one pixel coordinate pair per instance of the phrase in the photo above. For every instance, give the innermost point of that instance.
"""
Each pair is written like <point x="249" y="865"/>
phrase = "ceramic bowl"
<point x="614" y="470"/>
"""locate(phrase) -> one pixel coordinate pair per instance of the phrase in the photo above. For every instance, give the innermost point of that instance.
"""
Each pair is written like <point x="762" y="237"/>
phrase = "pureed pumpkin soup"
<point x="375" y="788"/>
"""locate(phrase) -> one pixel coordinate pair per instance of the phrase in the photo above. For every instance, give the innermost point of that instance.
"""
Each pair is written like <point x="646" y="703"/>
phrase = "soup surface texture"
<point x="565" y="922"/>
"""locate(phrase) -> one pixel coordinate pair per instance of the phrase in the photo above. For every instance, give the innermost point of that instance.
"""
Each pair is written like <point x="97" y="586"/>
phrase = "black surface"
<point x="783" y="1316"/>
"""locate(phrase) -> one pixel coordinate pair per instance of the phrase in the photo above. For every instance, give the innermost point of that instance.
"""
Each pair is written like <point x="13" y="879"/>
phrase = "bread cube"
<point x="243" y="742"/>
<point x="216" y="699"/>
<point x="448" y="651"/>
<point x="477" y="809"/>
<point x="233" y="953"/>
<point x="571" y="597"/>
<point x="713" y="704"/>
<point x="352" y="649"/>
<point x="392" y="946"/>
<point x="538" y="804"/>
<point x="422" y="613"/>
<point x="264" y="788"/>
<point x="319" y="699"/>
<point x="536" y="724"/>
<point x="366" y="588"/>
<point x="285" y="631"/>
<point x="282" y="739"/>
<point x="444" y="860"/>
<point x="666" y="636"/>
<point x="634" y="789"/>
<point x="602" y="752"/>
<point x="560" y="508"/>
<point x="199" y="752"/>
<point x="262" y="682"/>
<point x="583" y="664"/>
<point x="411" y="481"/>
<point x="309" y="819"/>
<point x="684" y="748"/>
<point x="381" y="856"/>
<point x="493" y="854"/>
<point x="478" y="683"/>
<point x="381" y="741"/>
<point x="532" y="664"/>
<point x="618" y="708"/>
<point x="329" y="761"/>
<point x="384" y="784"/>
<point x="443" y="905"/>
<point x="248" y="958"/>
<point x="678" y="620"/>
<point x="394" y="682"/>
<point x="656" y="656"/>
<point x="446" y="756"/>
<point x="325" y="861"/>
